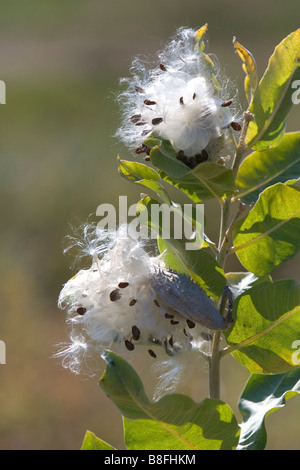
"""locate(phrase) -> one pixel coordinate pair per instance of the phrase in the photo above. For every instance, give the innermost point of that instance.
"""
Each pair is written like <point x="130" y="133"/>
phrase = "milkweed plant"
<point x="172" y="300"/>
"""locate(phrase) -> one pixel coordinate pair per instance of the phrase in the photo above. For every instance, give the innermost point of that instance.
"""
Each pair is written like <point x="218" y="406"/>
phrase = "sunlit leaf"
<point x="266" y="324"/>
<point x="273" y="98"/>
<point x="175" y="422"/>
<point x="92" y="442"/>
<point x="269" y="234"/>
<point x="262" y="169"/>
<point x="143" y="175"/>
<point x="262" y="396"/>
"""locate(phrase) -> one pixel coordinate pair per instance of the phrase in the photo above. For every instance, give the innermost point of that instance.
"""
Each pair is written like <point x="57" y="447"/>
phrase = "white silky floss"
<point x="177" y="101"/>
<point x="115" y="305"/>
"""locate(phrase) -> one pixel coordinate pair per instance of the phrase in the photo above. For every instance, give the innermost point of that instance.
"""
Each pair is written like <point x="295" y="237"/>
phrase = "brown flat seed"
<point x="162" y="67"/>
<point x="135" y="333"/>
<point x="174" y="322"/>
<point x="226" y="103"/>
<point x="156" y="303"/>
<point x="194" y="96"/>
<point x="171" y="341"/>
<point x="181" y="100"/>
<point x="236" y="126"/>
<point x="132" y="302"/>
<point x="122" y="285"/>
<point x="115" y="295"/>
<point x="139" y="89"/>
<point x="169" y="315"/>
<point x="190" y="324"/>
<point x="152" y="353"/>
<point x="81" y="310"/>
<point x="149" y="102"/>
<point x="129" y="345"/>
<point x="135" y="118"/>
<point x="204" y="155"/>
<point x="180" y="155"/>
<point x="157" y="121"/>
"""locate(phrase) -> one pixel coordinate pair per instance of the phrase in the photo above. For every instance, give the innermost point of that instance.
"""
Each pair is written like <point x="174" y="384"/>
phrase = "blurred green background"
<point x="61" y="61"/>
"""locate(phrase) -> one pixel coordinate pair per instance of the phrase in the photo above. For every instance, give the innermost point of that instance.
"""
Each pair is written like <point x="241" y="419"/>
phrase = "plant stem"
<point x="214" y="367"/>
<point x="226" y="229"/>
<point x="214" y="363"/>
<point x="240" y="151"/>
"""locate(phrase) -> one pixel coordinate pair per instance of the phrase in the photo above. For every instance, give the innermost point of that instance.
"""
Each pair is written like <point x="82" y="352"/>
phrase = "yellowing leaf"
<point x="249" y="67"/>
<point x="199" y="35"/>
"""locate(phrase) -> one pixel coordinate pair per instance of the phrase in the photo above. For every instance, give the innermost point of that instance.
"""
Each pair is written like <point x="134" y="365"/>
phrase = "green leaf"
<point x="92" y="442"/>
<point x="249" y="67"/>
<point x="173" y="422"/>
<point x="143" y="175"/>
<point x="267" y="323"/>
<point x="262" y="169"/>
<point x="208" y="180"/>
<point x="273" y="98"/>
<point x="269" y="234"/>
<point x="136" y="171"/>
<point x="198" y="265"/>
<point x="178" y="255"/>
<point x="263" y="395"/>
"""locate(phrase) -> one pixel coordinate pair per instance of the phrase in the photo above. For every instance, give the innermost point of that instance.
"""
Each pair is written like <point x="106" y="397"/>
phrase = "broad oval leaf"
<point x="262" y="395"/>
<point x="269" y="234"/>
<point x="173" y="422"/>
<point x="267" y="322"/>
<point x="262" y="169"/>
<point x="272" y="101"/>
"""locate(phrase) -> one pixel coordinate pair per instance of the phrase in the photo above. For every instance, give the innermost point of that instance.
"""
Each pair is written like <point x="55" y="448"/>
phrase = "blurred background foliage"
<point x="61" y="62"/>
